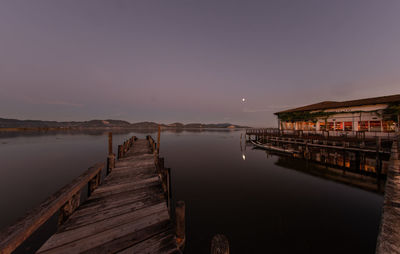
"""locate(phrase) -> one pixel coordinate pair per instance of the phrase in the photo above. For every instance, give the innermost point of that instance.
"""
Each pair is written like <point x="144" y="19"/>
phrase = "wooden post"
<point x="93" y="183"/>
<point x="389" y="230"/>
<point x="219" y="244"/>
<point x="158" y="139"/>
<point x="377" y="164"/>
<point x="110" y="143"/>
<point x="69" y="207"/>
<point x="180" y="224"/>
<point x="110" y="163"/>
<point x="120" y="151"/>
<point x="168" y="180"/>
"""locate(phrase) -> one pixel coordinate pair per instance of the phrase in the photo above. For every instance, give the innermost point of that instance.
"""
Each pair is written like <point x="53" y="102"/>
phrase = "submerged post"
<point x="389" y="231"/>
<point x="219" y="244"/>
<point x="180" y="224"/>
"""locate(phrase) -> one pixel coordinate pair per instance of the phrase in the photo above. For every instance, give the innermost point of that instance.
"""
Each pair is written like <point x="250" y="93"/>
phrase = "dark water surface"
<point x="261" y="207"/>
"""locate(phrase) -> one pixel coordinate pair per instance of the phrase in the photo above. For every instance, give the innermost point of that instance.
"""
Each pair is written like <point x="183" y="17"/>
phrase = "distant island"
<point x="15" y="124"/>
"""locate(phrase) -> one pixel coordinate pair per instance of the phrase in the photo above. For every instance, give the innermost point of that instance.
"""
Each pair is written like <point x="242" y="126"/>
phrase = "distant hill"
<point x="109" y="123"/>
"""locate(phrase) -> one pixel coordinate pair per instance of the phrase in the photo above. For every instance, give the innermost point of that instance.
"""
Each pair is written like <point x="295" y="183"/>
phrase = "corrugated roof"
<point x="342" y="104"/>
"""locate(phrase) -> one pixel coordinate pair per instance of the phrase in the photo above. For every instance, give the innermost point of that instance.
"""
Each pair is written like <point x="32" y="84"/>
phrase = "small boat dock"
<point x="129" y="212"/>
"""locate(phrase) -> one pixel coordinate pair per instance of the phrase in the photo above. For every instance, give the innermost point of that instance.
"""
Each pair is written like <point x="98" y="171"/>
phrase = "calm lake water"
<point x="228" y="188"/>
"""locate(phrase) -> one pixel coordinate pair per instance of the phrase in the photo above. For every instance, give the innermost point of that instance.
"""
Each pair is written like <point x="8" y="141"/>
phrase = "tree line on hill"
<point x="109" y="123"/>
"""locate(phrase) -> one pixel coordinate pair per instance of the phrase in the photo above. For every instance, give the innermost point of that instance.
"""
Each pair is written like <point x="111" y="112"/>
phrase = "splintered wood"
<point x="127" y="213"/>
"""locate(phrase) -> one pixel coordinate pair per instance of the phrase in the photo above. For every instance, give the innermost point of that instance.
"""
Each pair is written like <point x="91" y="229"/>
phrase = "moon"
<point x="243" y="99"/>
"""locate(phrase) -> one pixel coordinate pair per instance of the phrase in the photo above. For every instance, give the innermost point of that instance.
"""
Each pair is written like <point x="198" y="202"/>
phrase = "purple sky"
<point x="192" y="61"/>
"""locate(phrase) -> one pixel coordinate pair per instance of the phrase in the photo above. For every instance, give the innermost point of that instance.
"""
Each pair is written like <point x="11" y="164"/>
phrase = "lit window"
<point x="322" y="126"/>
<point x="348" y="126"/>
<point x="330" y="126"/>
<point x="363" y="125"/>
<point x="339" y="126"/>
<point x="375" y="125"/>
<point x="389" y="126"/>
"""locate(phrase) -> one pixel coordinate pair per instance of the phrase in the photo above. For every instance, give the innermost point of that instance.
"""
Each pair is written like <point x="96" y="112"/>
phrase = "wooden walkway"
<point x="127" y="213"/>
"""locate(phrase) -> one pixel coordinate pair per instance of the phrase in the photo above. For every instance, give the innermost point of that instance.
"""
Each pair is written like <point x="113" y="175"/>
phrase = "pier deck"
<point x="127" y="213"/>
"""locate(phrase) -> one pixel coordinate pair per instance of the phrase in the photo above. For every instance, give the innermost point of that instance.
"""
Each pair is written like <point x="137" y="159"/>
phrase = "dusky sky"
<point x="192" y="61"/>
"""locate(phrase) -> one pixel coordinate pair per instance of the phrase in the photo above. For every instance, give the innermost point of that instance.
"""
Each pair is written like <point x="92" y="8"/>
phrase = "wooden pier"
<point x="129" y="212"/>
<point x="341" y="147"/>
<point x="355" y="153"/>
<point x="389" y="230"/>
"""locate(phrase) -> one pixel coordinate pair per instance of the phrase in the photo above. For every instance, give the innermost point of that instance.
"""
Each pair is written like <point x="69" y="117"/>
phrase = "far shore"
<point x="22" y="129"/>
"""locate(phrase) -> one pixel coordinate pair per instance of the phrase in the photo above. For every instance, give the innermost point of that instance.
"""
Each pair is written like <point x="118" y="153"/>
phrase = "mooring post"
<point x="389" y="231"/>
<point x="219" y="244"/>
<point x="180" y="223"/>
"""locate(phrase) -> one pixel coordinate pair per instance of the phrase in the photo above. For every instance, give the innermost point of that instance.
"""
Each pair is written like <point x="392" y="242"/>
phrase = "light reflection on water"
<point x="228" y="188"/>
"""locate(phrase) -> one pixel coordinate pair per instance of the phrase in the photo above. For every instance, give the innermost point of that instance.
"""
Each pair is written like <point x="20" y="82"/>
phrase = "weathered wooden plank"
<point x="13" y="236"/>
<point x="85" y="231"/>
<point x="125" y="191"/>
<point x="131" y="175"/>
<point x="94" y="239"/>
<point x="103" y="202"/>
<point x="134" y="238"/>
<point x="132" y="179"/>
<point x="141" y="163"/>
<point x="136" y="156"/>
<point x="127" y="186"/>
<point x="160" y="243"/>
<point x="104" y="214"/>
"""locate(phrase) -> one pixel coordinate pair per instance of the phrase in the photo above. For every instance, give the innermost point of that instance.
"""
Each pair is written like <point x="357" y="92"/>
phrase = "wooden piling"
<point x="168" y="179"/>
<point x="389" y="232"/>
<point x="110" y="163"/>
<point x="111" y="156"/>
<point x="180" y="224"/>
<point x="219" y="244"/>
<point x="110" y="143"/>
<point x="120" y="151"/>
<point x="158" y="139"/>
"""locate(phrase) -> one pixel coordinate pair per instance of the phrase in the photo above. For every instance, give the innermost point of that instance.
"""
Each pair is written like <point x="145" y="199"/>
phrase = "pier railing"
<point x="165" y="176"/>
<point x="124" y="148"/>
<point x="337" y="134"/>
<point x="64" y="202"/>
